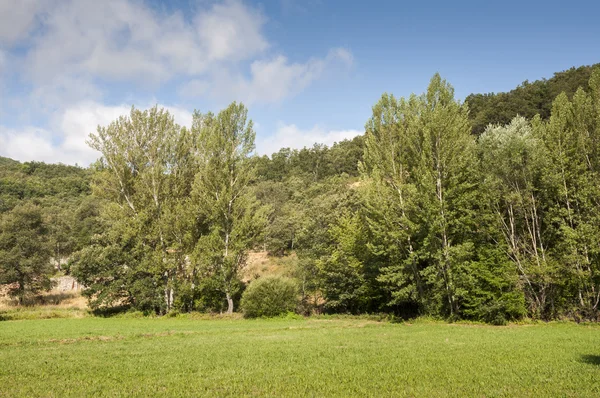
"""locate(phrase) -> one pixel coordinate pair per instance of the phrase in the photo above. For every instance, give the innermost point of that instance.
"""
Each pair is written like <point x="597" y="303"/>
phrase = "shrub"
<point x="269" y="296"/>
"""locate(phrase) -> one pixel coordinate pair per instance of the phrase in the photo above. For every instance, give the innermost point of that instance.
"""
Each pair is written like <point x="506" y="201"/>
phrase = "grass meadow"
<point x="343" y="357"/>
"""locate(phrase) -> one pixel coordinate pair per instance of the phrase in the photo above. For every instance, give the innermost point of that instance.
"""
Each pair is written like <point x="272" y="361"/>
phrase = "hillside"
<point x="528" y="99"/>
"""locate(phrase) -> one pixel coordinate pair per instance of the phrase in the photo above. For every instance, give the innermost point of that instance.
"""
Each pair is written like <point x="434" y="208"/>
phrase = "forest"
<point x="485" y="210"/>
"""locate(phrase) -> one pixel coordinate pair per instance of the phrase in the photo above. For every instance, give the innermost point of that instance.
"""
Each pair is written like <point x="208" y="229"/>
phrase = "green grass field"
<point x="289" y="357"/>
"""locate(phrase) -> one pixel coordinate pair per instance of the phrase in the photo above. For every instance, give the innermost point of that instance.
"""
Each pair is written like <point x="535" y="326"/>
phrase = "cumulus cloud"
<point x="64" y="58"/>
<point x="271" y="80"/>
<point x="290" y="136"/>
<point x="65" y="140"/>
<point x="27" y="143"/>
<point x="126" y="39"/>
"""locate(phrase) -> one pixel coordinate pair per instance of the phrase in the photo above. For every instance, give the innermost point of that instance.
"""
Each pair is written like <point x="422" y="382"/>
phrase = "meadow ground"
<point x="295" y="357"/>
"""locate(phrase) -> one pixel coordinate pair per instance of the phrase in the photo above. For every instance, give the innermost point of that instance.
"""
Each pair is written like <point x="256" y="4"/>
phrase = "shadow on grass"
<point x="51" y="298"/>
<point x="107" y="312"/>
<point x="591" y="359"/>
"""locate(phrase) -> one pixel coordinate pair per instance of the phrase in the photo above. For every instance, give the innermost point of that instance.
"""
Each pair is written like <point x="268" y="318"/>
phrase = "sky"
<point x="308" y="71"/>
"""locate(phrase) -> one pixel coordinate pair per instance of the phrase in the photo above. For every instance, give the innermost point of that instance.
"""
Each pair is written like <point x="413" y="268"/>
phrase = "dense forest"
<point x="485" y="210"/>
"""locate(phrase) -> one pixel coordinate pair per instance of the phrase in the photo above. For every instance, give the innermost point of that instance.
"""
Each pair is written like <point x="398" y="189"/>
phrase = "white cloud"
<point x="65" y="142"/>
<point x="61" y="92"/>
<point x="129" y="40"/>
<point x="271" y="80"/>
<point x="290" y="136"/>
<point x="17" y="18"/>
<point x="231" y="31"/>
<point x="66" y="56"/>
<point x="218" y="50"/>
<point x="28" y="143"/>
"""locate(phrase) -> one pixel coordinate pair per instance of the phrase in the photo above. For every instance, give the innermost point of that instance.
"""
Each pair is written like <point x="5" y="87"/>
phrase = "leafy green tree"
<point x="420" y="195"/>
<point x="25" y="251"/>
<point x="144" y="177"/>
<point x="570" y="138"/>
<point x="445" y="176"/>
<point x="319" y="206"/>
<point x="514" y="162"/>
<point x="345" y="276"/>
<point x="224" y="203"/>
<point x="389" y="199"/>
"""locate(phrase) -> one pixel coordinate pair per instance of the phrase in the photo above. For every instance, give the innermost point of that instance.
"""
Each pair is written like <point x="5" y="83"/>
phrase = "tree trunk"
<point x="21" y="293"/>
<point x="229" y="303"/>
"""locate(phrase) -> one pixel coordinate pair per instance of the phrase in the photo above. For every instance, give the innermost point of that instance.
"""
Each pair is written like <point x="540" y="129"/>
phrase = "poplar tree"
<point x="389" y="198"/>
<point x="442" y="151"/>
<point x="224" y="204"/>
<point x="143" y="177"/>
<point x="514" y="162"/>
<point x="421" y="162"/>
<point x="570" y="138"/>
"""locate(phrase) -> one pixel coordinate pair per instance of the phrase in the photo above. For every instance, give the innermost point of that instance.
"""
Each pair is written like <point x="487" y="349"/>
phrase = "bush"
<point x="269" y="296"/>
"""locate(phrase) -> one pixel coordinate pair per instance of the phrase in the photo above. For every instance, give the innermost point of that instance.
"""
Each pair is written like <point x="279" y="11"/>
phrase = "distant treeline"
<point x="528" y="99"/>
<point x="442" y="208"/>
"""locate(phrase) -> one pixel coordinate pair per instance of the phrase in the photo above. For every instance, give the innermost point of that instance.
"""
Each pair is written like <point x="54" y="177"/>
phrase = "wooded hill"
<point x="431" y="212"/>
<point x="528" y="99"/>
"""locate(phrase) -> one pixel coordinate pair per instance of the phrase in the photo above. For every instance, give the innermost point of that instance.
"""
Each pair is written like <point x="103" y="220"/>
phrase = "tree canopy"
<point x="486" y="209"/>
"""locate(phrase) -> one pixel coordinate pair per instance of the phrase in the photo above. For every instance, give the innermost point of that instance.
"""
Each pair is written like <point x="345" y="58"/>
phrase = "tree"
<point x="345" y="276"/>
<point x="228" y="212"/>
<point x="144" y="179"/>
<point x="25" y="251"/>
<point x="445" y="177"/>
<point x="570" y="138"/>
<point x="421" y="198"/>
<point x="513" y="162"/>
<point x="388" y="196"/>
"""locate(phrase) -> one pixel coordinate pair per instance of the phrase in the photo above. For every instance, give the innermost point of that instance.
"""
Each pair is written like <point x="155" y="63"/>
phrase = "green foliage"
<point x="314" y="164"/>
<point x="421" y="174"/>
<point x="492" y="293"/>
<point x="143" y="180"/>
<point x="527" y="100"/>
<point x="417" y="217"/>
<point x="270" y="296"/>
<point x="231" y="218"/>
<point x="24" y="251"/>
<point x="346" y="278"/>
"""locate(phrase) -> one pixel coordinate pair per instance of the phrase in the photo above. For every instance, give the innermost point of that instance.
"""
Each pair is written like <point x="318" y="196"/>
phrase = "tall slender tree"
<point x="224" y="203"/>
<point x="442" y="151"/>
<point x="570" y="138"/>
<point x="389" y="198"/>
<point x="513" y="162"/>
<point x="421" y="159"/>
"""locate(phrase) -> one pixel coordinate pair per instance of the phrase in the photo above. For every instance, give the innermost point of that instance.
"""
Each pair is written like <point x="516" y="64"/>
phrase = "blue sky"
<point x="308" y="70"/>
